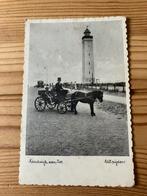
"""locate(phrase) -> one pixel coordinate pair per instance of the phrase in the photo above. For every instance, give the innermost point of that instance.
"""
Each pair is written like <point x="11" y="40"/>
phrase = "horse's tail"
<point x="74" y="95"/>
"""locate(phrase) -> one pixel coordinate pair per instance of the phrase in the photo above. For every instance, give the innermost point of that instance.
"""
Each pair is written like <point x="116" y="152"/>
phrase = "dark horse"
<point x="88" y="97"/>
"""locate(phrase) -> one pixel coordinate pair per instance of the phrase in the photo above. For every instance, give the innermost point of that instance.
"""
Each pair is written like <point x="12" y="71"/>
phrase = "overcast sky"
<point x="56" y="51"/>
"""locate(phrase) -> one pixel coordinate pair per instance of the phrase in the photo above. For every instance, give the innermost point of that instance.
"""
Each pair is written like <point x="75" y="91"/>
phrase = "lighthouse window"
<point x="89" y="72"/>
<point x="89" y="54"/>
<point x="89" y="63"/>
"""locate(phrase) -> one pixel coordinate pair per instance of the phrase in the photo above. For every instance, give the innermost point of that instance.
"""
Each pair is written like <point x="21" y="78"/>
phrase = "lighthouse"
<point x="87" y="58"/>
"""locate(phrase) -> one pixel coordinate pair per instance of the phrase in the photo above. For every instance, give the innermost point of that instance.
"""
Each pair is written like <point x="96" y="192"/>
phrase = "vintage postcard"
<point x="76" y="119"/>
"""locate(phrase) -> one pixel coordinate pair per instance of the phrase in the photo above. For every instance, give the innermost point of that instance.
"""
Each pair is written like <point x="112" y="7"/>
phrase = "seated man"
<point x="61" y="93"/>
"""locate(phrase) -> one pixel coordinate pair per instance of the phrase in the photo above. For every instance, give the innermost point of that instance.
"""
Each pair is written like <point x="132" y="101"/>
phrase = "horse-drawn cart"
<point x="50" y="100"/>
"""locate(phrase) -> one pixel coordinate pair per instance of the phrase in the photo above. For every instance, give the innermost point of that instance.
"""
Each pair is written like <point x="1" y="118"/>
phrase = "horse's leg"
<point x="75" y="104"/>
<point x="92" y="109"/>
<point x="72" y="107"/>
<point x="72" y="102"/>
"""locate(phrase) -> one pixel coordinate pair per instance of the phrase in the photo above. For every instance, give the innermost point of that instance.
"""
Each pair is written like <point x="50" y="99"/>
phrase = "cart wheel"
<point x="51" y="106"/>
<point x="40" y="104"/>
<point x="61" y="108"/>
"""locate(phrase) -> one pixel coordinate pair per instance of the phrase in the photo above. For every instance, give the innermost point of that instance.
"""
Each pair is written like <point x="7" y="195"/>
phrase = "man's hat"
<point x="59" y="78"/>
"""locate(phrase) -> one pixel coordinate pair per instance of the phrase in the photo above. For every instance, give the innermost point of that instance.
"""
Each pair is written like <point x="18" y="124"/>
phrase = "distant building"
<point x="88" y="75"/>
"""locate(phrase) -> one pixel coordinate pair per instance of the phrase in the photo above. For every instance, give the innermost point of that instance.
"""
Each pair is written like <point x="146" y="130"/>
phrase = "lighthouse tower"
<point x="87" y="58"/>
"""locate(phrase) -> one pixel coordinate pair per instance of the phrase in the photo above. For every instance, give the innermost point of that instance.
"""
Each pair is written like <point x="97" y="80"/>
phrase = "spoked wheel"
<point x="51" y="106"/>
<point x="40" y="104"/>
<point x="61" y="108"/>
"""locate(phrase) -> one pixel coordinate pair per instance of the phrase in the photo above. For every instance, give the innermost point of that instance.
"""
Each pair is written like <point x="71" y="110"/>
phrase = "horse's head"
<point x="99" y="95"/>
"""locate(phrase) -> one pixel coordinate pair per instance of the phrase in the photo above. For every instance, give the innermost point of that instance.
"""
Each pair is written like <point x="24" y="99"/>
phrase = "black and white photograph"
<point x="76" y="89"/>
